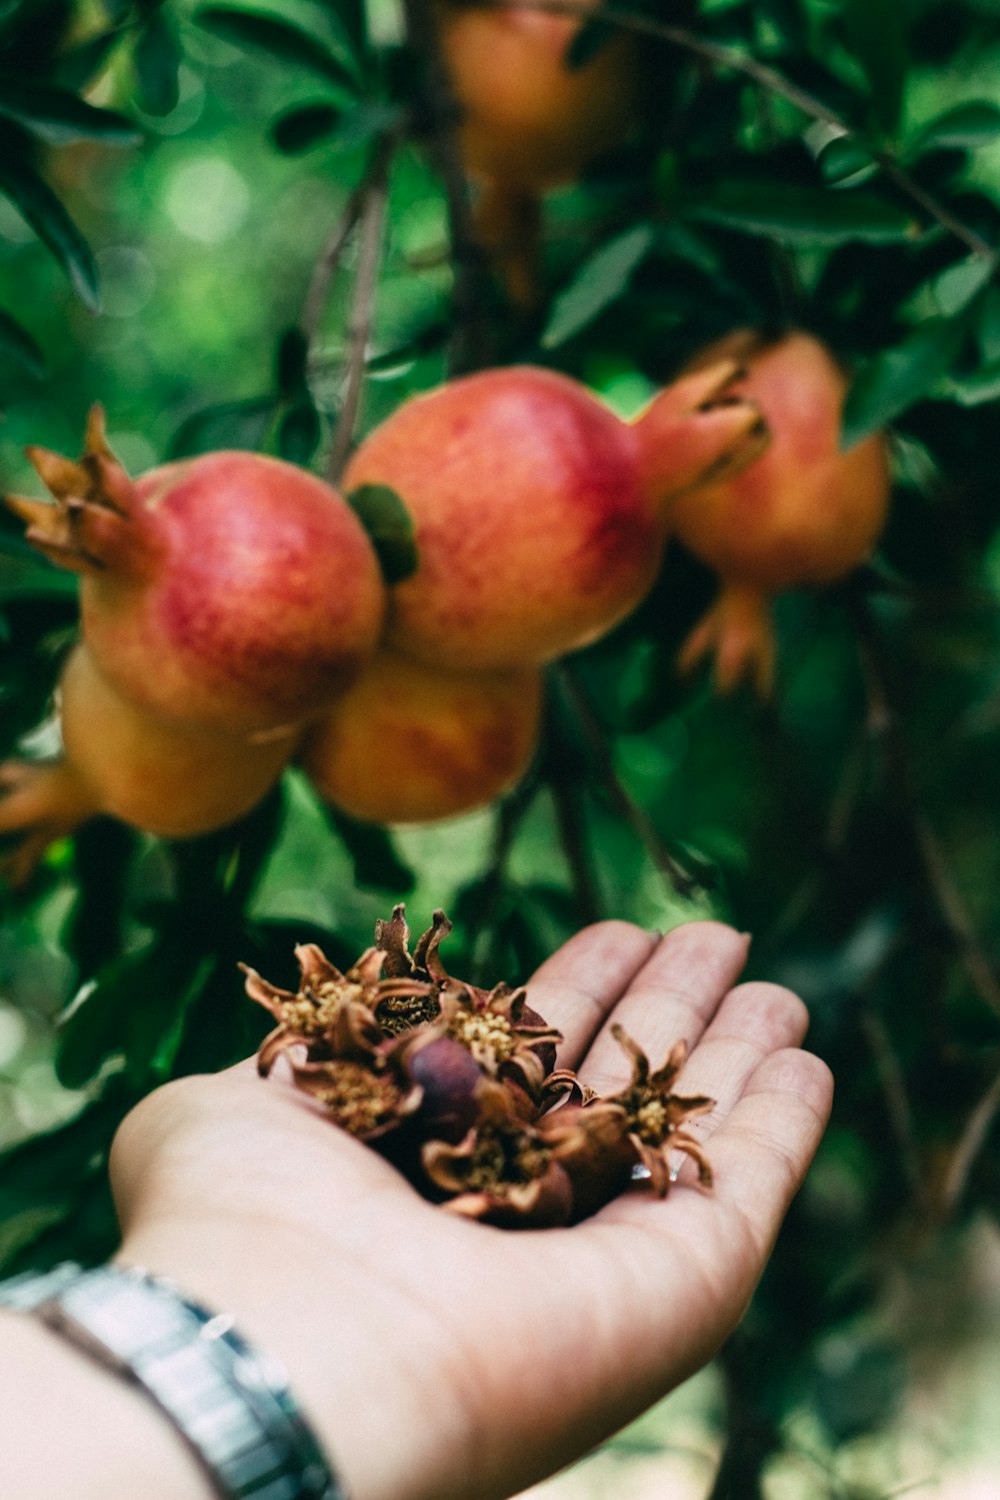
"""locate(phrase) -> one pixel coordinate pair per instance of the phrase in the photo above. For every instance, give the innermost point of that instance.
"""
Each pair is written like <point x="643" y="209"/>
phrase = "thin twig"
<point x="897" y="1100"/>
<point x="470" y="347"/>
<point x="323" y="271"/>
<point x="572" y="835"/>
<point x="968" y="1147"/>
<point x="681" y="880"/>
<point x="768" y="78"/>
<point x="883" y="724"/>
<point x="375" y="193"/>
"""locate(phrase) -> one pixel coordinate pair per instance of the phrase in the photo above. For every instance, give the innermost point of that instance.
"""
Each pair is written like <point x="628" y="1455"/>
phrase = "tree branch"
<point x="371" y="213"/>
<point x="678" y="878"/>
<point x="765" y="77"/>
<point x="470" y="347"/>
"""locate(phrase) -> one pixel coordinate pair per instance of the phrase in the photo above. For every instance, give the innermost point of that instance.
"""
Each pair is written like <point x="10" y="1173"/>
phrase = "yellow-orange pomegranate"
<point x="412" y="744"/>
<point x="540" y="516"/>
<point x="803" y="513"/>
<point x="230" y="591"/>
<point x="153" y="774"/>
<point x="529" y="122"/>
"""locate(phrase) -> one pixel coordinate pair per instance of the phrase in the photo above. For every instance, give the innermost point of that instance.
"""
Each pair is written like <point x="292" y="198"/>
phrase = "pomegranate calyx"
<point x="94" y="498"/>
<point x="698" y="430"/>
<point x="738" y="632"/>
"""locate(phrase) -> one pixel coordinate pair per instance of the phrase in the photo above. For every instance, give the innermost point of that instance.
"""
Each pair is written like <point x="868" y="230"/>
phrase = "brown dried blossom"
<point x="398" y="1041"/>
<point x="333" y="1014"/>
<point x="503" y="1171"/>
<point x="654" y="1116"/>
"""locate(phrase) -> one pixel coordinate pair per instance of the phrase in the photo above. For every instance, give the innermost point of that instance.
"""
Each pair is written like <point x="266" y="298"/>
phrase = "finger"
<point x="762" y="1150"/>
<point x="753" y="1021"/>
<point x="673" y="997"/>
<point x="579" y="985"/>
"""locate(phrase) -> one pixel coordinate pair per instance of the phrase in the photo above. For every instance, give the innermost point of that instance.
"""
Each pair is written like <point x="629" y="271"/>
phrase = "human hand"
<point x="441" y="1359"/>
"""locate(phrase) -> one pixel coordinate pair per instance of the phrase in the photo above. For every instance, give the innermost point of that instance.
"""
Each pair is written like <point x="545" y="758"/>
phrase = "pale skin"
<point x="440" y="1359"/>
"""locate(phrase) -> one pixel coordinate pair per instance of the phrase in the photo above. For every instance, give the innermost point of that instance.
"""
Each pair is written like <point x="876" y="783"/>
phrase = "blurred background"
<point x="171" y="180"/>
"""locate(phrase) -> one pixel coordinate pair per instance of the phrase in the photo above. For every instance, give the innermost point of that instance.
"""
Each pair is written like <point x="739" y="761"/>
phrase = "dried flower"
<point x="654" y="1116"/>
<point x="503" y="1171"/>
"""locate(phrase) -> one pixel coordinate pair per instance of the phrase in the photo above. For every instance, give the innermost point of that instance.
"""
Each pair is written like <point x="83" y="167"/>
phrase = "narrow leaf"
<point x="373" y="854"/>
<point x="806" y="215"/>
<point x="16" y="341"/>
<point x="897" y="378"/>
<point x="57" y="116"/>
<point x="591" y="38"/>
<point x="303" y="128"/>
<point x="53" y="225"/>
<point x="231" y="424"/>
<point x="157" y="62"/>
<point x="602" y="278"/>
<point x="975" y="388"/>
<point x="956" y="286"/>
<point x="876" y="35"/>
<point x="299" y="433"/>
<point x="390" y="526"/>
<point x="965" y="126"/>
<point x="278" y="37"/>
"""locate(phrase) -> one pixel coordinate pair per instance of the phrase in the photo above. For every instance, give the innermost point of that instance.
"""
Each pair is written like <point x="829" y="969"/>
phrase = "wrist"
<point x="96" y="1438"/>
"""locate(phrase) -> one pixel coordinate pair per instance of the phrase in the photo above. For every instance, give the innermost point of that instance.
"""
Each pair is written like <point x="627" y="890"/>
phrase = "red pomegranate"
<point x="804" y="513"/>
<point x="231" y="590"/>
<point x="410" y="743"/>
<point x="540" y="516"/>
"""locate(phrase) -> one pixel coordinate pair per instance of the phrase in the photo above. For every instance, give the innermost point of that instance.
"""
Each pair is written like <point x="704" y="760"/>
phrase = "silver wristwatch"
<point x="229" y="1402"/>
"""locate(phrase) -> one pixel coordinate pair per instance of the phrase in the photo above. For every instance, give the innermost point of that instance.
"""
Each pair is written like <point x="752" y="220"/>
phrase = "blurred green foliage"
<point x="170" y="180"/>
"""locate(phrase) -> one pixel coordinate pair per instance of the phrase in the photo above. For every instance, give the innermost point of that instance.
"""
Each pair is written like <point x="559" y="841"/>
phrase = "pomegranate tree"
<point x="410" y="743"/>
<point x="230" y="591"/>
<point x="805" y="512"/>
<point x="539" y="515"/>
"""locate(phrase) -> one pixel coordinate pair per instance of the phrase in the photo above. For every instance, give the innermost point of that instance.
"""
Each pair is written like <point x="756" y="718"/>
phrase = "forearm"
<point x="69" y="1427"/>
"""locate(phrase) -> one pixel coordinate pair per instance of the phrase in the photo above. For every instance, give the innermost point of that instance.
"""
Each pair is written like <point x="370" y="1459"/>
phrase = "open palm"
<point x="441" y="1358"/>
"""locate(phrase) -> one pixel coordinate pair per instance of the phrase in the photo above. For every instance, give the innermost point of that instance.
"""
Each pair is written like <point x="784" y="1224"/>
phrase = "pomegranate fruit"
<point x="410" y="744"/>
<point x="805" y="512"/>
<point x="539" y="515"/>
<point x="529" y="121"/>
<point x="118" y="759"/>
<point x="230" y="591"/>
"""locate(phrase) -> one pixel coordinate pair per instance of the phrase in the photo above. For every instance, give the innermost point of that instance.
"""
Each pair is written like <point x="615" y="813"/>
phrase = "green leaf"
<point x="806" y="215"/>
<point x="373" y="854"/>
<point x="988" y="325"/>
<point x="844" y="159"/>
<point x="157" y="61"/>
<point x="591" y="38"/>
<point x="956" y="286"/>
<point x="897" y="378"/>
<point x="279" y="38"/>
<point x="16" y="341"/>
<point x="78" y="65"/>
<point x="965" y="126"/>
<point x="390" y="526"/>
<point x="975" y="388"/>
<point x="303" y="128"/>
<point x="230" y="424"/>
<point x="599" y="281"/>
<point x="877" y="37"/>
<point x="299" y="433"/>
<point x="57" y="116"/>
<point x="53" y="225"/>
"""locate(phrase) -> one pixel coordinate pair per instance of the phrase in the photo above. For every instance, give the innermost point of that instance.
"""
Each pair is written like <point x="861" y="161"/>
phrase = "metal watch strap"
<point x="230" y="1402"/>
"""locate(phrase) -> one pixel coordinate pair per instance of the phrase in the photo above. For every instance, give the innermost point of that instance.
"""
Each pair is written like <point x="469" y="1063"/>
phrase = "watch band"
<point x="230" y="1402"/>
